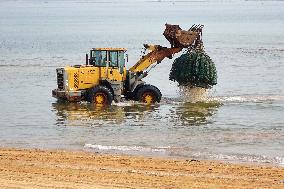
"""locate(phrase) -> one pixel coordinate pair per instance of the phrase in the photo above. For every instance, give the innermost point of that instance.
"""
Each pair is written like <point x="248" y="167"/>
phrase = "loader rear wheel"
<point x="100" y="95"/>
<point x="148" y="94"/>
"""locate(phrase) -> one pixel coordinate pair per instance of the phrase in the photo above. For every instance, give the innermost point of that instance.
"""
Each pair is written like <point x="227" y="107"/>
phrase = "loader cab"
<point x="113" y="58"/>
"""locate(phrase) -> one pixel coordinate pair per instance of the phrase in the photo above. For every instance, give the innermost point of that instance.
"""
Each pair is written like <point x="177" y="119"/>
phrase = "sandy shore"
<point x="61" y="169"/>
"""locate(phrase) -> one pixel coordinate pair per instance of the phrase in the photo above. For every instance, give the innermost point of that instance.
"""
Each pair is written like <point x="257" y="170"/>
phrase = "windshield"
<point x="99" y="58"/>
<point x="108" y="58"/>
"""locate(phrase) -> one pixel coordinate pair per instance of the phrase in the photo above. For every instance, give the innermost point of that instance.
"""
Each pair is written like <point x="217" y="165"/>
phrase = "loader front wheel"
<point x="100" y="95"/>
<point x="148" y="94"/>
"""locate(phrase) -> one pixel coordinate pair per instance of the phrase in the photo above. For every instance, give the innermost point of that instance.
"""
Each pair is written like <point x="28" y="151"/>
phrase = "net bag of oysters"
<point x="194" y="68"/>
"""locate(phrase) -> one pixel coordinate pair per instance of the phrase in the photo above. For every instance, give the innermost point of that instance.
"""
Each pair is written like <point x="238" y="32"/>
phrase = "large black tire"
<point x="132" y="95"/>
<point x="100" y="95"/>
<point x="148" y="94"/>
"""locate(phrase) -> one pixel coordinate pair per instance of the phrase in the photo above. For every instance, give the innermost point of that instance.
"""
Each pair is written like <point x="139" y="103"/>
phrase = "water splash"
<point x="197" y="94"/>
<point x="186" y="153"/>
<point x="125" y="148"/>
<point x="193" y="94"/>
<point x="244" y="98"/>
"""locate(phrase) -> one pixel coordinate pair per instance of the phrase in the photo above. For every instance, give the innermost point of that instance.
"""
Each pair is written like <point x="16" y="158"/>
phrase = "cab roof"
<point x="109" y="49"/>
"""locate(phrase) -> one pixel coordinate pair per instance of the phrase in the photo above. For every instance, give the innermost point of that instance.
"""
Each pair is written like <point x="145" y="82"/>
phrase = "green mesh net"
<point x="194" y="69"/>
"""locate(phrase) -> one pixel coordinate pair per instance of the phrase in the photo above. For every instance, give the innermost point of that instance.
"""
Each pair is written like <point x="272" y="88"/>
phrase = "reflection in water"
<point x="175" y="114"/>
<point x="76" y="114"/>
<point x="196" y="113"/>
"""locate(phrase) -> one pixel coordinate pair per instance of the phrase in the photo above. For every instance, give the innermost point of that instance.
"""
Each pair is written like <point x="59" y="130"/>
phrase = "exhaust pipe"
<point x="87" y="59"/>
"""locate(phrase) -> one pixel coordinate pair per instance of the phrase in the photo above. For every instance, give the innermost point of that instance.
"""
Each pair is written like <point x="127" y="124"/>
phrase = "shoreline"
<point x="34" y="168"/>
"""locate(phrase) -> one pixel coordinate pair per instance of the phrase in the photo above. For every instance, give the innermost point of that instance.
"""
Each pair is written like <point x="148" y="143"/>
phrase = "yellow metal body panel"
<point x="72" y="82"/>
<point x="85" y="77"/>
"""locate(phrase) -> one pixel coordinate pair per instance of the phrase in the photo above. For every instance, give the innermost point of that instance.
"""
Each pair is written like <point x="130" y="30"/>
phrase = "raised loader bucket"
<point x="181" y="38"/>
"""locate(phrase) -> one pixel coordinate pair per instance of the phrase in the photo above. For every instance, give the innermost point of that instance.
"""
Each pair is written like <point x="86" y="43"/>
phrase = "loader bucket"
<point x="181" y="38"/>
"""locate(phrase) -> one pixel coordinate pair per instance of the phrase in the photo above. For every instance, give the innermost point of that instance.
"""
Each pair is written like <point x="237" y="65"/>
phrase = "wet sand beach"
<point x="22" y="168"/>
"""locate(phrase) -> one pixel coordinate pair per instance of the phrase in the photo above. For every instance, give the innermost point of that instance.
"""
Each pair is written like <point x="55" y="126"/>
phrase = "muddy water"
<point x="241" y="120"/>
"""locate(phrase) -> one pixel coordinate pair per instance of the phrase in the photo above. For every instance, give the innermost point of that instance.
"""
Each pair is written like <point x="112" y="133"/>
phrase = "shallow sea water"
<point x="240" y="121"/>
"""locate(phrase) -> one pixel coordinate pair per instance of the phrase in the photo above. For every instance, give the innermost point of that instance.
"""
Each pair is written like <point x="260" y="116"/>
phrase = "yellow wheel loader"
<point x="104" y="77"/>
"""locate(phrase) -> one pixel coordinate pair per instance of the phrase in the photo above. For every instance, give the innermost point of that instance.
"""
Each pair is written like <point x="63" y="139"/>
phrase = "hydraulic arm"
<point x="156" y="55"/>
<point x="178" y="38"/>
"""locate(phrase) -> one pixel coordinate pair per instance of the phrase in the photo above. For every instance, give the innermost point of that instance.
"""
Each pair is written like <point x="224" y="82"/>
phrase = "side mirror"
<point x="126" y="55"/>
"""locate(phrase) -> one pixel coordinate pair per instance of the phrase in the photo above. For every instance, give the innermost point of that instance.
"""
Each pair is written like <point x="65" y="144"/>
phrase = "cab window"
<point x="113" y="55"/>
<point x="121" y="61"/>
<point x="99" y="58"/>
